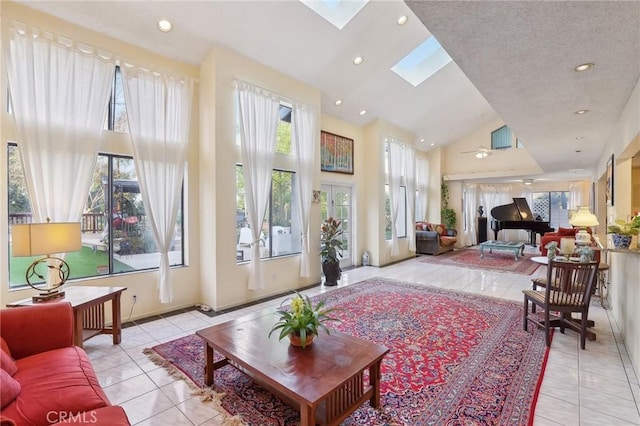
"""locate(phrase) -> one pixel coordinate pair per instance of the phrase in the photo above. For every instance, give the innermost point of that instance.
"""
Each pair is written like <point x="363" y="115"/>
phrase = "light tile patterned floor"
<point x="596" y="386"/>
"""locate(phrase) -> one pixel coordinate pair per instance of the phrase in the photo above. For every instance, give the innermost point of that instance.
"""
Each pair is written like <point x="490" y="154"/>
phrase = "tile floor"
<point x="596" y="386"/>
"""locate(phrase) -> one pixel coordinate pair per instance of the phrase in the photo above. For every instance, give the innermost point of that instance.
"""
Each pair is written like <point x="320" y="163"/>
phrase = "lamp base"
<point x="44" y="297"/>
<point x="583" y="238"/>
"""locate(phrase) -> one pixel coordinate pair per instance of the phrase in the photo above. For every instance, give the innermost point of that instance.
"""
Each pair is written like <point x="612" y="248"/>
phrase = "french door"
<point x="336" y="202"/>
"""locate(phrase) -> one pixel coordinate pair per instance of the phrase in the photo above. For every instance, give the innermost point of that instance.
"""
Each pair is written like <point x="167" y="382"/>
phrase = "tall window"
<point x="115" y="235"/>
<point x="552" y="207"/>
<point x="281" y="230"/>
<point x="401" y="225"/>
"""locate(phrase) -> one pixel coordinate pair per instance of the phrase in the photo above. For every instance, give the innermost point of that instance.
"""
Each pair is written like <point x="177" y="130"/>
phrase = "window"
<point x="552" y="207"/>
<point x="281" y="231"/>
<point x="117" y="116"/>
<point x="122" y="244"/>
<point x="501" y="138"/>
<point x="401" y="222"/>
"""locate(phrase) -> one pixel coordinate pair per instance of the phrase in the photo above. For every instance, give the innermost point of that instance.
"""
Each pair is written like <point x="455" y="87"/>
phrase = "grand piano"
<point x="517" y="215"/>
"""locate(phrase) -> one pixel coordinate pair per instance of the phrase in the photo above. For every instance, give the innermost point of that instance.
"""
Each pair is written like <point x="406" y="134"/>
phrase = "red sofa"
<point x="45" y="379"/>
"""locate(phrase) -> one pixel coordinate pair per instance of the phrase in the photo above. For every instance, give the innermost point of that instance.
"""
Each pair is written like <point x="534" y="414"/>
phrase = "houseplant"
<point x="302" y="320"/>
<point x="331" y="250"/>
<point x="623" y="231"/>
<point x="447" y="214"/>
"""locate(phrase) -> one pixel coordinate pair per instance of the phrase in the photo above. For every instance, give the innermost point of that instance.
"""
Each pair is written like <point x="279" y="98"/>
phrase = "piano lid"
<point x="517" y="211"/>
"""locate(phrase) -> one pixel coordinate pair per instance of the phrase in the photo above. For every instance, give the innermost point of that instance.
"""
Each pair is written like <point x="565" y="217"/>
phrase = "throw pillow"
<point x="9" y="388"/>
<point x="441" y="229"/>
<point x="566" y="232"/>
<point x="4" y="346"/>
<point x="7" y="363"/>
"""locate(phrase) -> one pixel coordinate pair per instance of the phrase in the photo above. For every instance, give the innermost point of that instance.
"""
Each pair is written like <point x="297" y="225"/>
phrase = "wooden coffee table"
<point x="325" y="380"/>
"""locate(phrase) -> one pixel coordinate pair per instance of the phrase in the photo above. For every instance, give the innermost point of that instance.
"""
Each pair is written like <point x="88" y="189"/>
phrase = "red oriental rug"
<point x="500" y="261"/>
<point x="455" y="359"/>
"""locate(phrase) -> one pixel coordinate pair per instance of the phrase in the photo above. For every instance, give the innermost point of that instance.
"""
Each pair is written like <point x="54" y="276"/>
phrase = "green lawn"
<point x="83" y="263"/>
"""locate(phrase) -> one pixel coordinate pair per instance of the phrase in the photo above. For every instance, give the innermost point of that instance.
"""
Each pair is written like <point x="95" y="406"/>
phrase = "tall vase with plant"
<point x="331" y="250"/>
<point x="447" y="214"/>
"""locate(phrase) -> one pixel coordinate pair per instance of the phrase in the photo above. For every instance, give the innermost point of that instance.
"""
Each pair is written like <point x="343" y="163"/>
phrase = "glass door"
<point x="335" y="201"/>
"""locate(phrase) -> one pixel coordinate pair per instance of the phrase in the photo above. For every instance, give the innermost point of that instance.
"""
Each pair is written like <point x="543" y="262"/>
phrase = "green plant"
<point x="330" y="243"/>
<point x="302" y="318"/>
<point x="447" y="214"/>
<point x="623" y="227"/>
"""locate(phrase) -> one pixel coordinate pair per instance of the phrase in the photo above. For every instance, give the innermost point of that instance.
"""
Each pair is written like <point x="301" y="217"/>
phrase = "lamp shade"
<point x="34" y="239"/>
<point x="584" y="217"/>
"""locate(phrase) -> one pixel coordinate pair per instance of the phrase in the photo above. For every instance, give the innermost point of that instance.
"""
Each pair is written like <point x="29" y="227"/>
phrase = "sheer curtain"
<point x="159" y="113"/>
<point x="410" y="177"/>
<point x="258" y="124"/>
<point x="470" y="212"/>
<point x="395" y="180"/>
<point x="422" y="185"/>
<point x="59" y="93"/>
<point x="303" y="130"/>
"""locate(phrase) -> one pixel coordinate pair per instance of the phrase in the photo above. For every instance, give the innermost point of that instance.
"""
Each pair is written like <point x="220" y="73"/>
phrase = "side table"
<point x="88" y="305"/>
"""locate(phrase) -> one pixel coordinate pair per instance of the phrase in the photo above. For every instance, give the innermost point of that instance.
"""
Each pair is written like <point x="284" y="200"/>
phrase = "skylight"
<point x="337" y="12"/>
<point x="422" y="62"/>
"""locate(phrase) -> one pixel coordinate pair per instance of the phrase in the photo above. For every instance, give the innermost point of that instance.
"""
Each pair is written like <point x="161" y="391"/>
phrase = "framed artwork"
<point x="609" y="188"/>
<point x="336" y="153"/>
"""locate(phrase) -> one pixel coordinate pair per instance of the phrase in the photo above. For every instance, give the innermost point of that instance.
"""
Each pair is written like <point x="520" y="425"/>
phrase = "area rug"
<point x="455" y="359"/>
<point x="500" y="261"/>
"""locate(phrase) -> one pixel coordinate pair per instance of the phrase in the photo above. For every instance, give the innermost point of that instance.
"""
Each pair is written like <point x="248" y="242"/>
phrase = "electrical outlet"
<point x="134" y="298"/>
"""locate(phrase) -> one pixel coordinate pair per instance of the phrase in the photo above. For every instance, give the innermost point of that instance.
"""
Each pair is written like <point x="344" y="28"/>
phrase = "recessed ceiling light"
<point x="432" y="144"/>
<point x="363" y="112"/>
<point x="358" y="60"/>
<point x="422" y="140"/>
<point x="582" y="111"/>
<point x="164" y="26"/>
<point x="579" y="137"/>
<point x="338" y="102"/>
<point x="583" y="67"/>
<point x="578" y="151"/>
<point x="402" y="20"/>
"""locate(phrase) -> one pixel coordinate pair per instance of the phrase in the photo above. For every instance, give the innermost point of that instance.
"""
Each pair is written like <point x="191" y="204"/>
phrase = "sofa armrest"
<point x="29" y="330"/>
<point x="452" y="233"/>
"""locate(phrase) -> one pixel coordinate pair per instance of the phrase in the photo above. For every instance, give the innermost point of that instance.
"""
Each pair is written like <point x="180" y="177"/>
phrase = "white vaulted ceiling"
<point x="513" y="60"/>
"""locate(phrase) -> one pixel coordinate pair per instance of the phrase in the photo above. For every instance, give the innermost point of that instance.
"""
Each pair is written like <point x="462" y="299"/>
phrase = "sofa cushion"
<point x="566" y="232"/>
<point x="440" y="229"/>
<point x="7" y="363"/>
<point x="56" y="381"/>
<point x="447" y="241"/>
<point x="9" y="388"/>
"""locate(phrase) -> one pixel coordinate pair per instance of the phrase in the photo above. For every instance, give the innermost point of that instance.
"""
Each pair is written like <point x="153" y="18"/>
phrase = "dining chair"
<point x="570" y="293"/>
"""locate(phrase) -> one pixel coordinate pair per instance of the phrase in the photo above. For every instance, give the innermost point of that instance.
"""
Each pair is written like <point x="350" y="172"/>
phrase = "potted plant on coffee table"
<point x="302" y="320"/>
<point x="331" y="250"/>
<point x="623" y="231"/>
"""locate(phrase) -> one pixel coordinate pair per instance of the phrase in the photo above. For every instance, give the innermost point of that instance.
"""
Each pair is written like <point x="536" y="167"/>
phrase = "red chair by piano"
<point x="556" y="236"/>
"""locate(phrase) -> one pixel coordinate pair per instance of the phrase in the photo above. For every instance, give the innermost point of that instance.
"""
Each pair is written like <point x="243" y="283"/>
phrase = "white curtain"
<point x="469" y="235"/>
<point x="395" y="180"/>
<point x="578" y="194"/>
<point x="258" y="124"/>
<point x="159" y="113"/>
<point x="59" y="93"/>
<point x="303" y="131"/>
<point x="410" y="178"/>
<point x="422" y="185"/>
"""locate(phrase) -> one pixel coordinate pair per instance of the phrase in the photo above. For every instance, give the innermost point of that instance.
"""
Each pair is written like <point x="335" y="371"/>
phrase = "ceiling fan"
<point x="480" y="152"/>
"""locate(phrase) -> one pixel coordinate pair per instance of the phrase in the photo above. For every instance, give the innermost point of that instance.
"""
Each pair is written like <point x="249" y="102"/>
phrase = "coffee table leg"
<point x="481" y="252"/>
<point x="307" y="415"/>
<point x="208" y="369"/>
<point x="374" y="378"/>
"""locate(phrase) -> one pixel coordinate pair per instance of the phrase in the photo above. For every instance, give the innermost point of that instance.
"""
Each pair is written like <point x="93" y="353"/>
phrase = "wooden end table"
<point x="88" y="311"/>
<point x="325" y="380"/>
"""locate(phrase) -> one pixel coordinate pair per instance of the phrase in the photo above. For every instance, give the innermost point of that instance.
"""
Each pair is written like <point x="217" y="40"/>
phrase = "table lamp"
<point x="582" y="219"/>
<point x="33" y="239"/>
